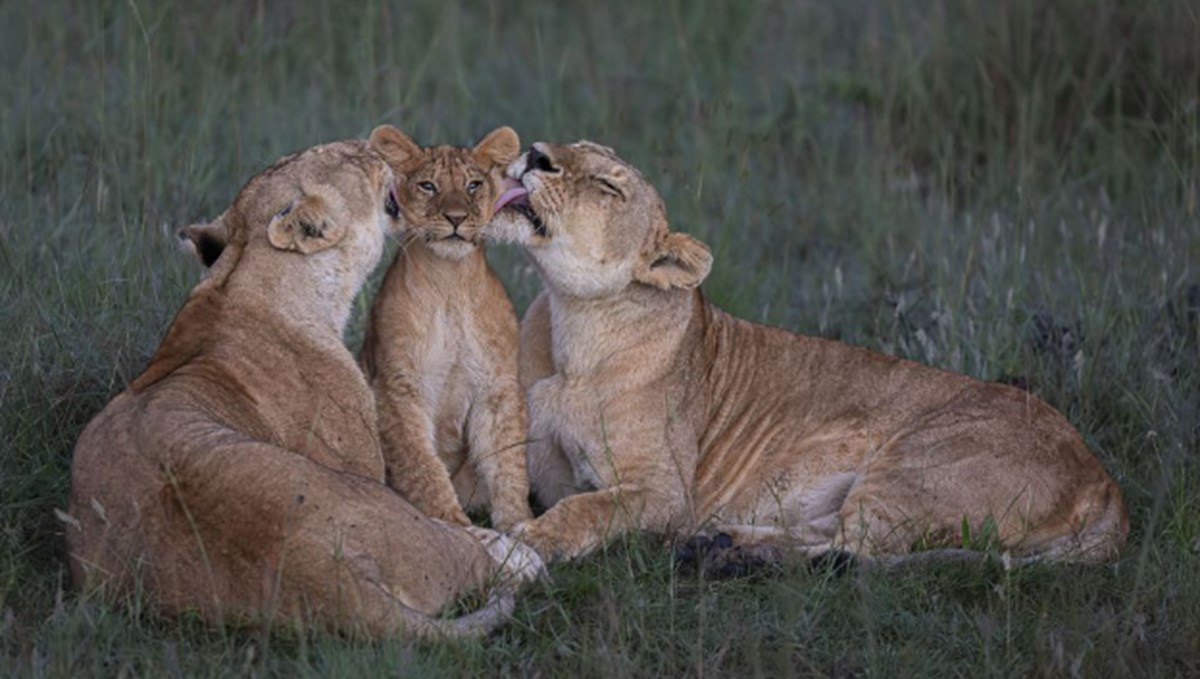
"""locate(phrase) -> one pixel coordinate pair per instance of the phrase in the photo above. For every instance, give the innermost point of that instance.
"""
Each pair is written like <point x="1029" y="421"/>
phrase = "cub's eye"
<point x="427" y="187"/>
<point x="391" y="207"/>
<point x="473" y="185"/>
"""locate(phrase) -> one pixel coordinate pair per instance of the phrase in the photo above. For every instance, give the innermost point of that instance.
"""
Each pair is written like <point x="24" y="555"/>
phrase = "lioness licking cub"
<point x="652" y="409"/>
<point x="240" y="476"/>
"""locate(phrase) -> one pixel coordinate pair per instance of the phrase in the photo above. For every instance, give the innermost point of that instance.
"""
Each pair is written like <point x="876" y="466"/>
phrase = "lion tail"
<point x="498" y="610"/>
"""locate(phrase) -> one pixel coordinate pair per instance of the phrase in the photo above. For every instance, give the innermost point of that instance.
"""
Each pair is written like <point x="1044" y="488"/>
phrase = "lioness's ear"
<point x="501" y="146"/>
<point x="395" y="146"/>
<point x="310" y="224"/>
<point x="677" y="261"/>
<point x="206" y="240"/>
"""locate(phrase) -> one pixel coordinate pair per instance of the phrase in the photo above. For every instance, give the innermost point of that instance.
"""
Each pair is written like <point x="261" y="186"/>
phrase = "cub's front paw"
<point x="455" y="516"/>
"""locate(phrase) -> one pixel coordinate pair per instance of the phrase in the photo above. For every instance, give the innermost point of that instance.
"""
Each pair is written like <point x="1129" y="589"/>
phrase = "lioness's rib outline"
<point x="919" y="445"/>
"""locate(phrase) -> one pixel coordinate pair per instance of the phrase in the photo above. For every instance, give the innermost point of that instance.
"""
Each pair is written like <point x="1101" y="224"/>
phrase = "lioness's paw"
<point x="533" y="533"/>
<point x="518" y="528"/>
<point x="516" y="559"/>
<point x="506" y="519"/>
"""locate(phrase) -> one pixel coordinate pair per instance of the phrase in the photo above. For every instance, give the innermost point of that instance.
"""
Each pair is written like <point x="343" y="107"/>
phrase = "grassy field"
<point x="1006" y="189"/>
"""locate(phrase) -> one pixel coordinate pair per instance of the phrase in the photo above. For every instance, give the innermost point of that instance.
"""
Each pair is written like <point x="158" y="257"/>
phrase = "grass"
<point x="1005" y="189"/>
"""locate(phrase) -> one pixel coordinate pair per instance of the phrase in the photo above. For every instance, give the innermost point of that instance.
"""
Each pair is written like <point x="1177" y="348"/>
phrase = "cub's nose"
<point x="455" y="217"/>
<point x="538" y="160"/>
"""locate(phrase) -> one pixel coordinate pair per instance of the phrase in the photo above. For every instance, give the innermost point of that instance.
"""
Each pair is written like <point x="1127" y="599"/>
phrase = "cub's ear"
<point x="677" y="261"/>
<point x="395" y="146"/>
<point x="501" y="146"/>
<point x="310" y="224"/>
<point x="205" y="240"/>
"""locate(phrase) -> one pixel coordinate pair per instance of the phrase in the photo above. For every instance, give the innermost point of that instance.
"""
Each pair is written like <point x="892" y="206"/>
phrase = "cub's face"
<point x="446" y="193"/>
<point x="593" y="224"/>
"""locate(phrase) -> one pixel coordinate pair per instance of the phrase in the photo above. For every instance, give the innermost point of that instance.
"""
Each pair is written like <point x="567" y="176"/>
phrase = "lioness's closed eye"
<point x="652" y="409"/>
<point x="441" y="344"/>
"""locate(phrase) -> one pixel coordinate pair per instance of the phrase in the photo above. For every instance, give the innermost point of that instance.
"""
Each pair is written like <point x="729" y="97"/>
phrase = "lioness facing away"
<point x="441" y="347"/>
<point x="240" y="475"/>
<point x="652" y="409"/>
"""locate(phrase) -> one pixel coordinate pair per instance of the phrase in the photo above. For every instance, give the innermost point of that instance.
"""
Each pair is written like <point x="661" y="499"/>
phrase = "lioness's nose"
<point x="538" y="160"/>
<point x="455" y="217"/>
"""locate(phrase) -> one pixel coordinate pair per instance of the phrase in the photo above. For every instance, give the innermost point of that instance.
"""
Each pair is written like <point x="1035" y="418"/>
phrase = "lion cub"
<point x="441" y="345"/>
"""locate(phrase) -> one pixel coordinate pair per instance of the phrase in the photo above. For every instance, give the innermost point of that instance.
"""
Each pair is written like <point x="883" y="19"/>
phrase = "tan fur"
<point x="240" y="475"/>
<point x="441" y="346"/>
<point x="651" y="409"/>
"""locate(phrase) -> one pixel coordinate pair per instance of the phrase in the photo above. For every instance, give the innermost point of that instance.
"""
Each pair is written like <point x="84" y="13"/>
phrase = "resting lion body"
<point x="240" y="476"/>
<point x="441" y="345"/>
<point x="652" y="409"/>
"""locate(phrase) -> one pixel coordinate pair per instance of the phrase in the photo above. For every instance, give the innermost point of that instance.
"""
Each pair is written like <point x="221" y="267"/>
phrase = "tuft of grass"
<point x="1004" y="189"/>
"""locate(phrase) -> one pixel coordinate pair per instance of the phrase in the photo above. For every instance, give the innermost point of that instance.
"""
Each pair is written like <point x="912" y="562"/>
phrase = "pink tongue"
<point x="510" y="194"/>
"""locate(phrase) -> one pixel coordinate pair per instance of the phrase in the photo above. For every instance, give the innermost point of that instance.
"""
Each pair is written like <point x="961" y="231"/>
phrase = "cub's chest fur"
<point x="448" y="363"/>
<point x="441" y="355"/>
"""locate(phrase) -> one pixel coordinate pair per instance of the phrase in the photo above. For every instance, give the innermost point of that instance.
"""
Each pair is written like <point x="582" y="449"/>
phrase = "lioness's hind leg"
<point x="804" y="520"/>
<point x="275" y="535"/>
<point x="932" y="490"/>
<point x="1092" y="531"/>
